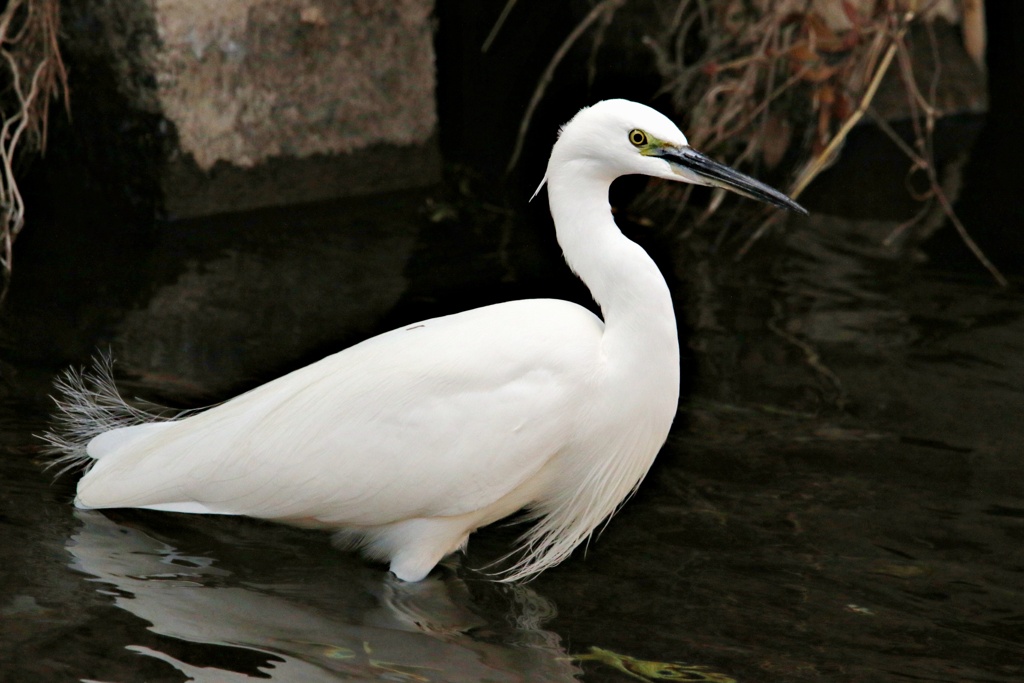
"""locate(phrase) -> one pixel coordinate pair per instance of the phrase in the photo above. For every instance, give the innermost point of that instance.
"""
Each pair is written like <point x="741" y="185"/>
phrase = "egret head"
<point x="618" y="137"/>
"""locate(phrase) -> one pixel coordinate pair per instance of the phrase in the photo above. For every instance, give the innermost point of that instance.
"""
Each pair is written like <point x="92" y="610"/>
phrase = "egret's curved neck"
<point x="625" y="282"/>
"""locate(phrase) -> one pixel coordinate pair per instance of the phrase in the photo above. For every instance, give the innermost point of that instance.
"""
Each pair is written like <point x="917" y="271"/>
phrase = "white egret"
<point x="408" y="442"/>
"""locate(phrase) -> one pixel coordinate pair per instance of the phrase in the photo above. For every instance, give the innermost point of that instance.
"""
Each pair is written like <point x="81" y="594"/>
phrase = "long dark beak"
<point x="710" y="172"/>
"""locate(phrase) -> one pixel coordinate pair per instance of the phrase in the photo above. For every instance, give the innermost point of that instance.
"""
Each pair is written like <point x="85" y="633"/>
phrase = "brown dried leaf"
<point x="819" y="73"/>
<point x="776" y="135"/>
<point x="825" y="39"/>
<point x="842" y="108"/>
<point x="802" y="52"/>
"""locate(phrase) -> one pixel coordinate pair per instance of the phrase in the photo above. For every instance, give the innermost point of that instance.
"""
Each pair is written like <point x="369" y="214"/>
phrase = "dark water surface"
<point x="841" y="498"/>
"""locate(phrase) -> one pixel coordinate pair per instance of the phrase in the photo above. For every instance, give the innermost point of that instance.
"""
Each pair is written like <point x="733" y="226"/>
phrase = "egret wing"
<point x="435" y="419"/>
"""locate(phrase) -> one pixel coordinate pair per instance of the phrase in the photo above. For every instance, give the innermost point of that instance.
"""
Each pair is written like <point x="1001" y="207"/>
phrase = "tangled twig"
<point x="816" y="165"/>
<point x="604" y="8"/>
<point x="35" y="75"/>
<point x="753" y="79"/>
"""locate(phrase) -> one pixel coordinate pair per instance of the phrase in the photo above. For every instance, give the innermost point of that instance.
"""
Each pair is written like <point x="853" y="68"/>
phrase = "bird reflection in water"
<point x="353" y="622"/>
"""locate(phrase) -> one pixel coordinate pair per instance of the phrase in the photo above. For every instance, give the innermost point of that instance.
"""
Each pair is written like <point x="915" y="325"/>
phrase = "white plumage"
<point x="410" y="441"/>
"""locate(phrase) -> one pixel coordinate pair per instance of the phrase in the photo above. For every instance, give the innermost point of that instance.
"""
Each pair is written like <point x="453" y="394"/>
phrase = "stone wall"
<point x="262" y="102"/>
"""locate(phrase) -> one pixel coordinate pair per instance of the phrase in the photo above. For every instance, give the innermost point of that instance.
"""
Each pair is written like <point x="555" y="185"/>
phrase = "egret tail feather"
<point x="89" y="404"/>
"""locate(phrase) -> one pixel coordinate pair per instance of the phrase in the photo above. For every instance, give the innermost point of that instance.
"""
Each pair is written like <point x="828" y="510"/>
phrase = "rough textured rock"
<point x="265" y="102"/>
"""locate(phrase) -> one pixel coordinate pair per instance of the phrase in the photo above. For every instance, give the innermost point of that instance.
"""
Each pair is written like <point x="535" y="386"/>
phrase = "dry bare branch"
<point x="600" y="10"/>
<point x="32" y="76"/>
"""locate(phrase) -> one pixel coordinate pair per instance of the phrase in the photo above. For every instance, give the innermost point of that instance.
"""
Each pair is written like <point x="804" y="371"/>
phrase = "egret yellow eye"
<point x="637" y="137"/>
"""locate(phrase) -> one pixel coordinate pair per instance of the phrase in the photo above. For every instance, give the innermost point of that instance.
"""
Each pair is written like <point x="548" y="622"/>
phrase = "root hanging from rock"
<point x="32" y="74"/>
